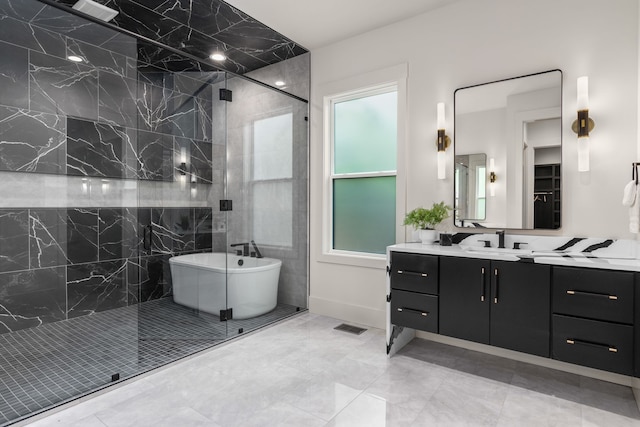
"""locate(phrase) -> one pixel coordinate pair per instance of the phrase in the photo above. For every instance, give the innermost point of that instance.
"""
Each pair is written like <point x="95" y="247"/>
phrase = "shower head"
<point x="95" y="9"/>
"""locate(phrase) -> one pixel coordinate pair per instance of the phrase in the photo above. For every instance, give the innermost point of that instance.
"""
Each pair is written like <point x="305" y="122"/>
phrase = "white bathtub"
<point x="211" y="282"/>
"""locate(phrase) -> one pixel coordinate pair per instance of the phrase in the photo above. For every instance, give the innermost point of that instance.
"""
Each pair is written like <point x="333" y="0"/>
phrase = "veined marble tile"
<point x="198" y="160"/>
<point x="203" y="228"/>
<point x="95" y="287"/>
<point x="82" y="235"/>
<point x="98" y="58"/>
<point x="118" y="102"/>
<point x="23" y="34"/>
<point x="31" y="141"/>
<point x="14" y="76"/>
<point x="60" y="86"/>
<point x="31" y="298"/>
<point x="117" y="233"/>
<point x="72" y="26"/>
<point x="14" y="240"/>
<point x="95" y="149"/>
<point x="20" y="9"/>
<point x="207" y="16"/>
<point x="47" y="237"/>
<point x="155" y="156"/>
<point x="146" y="279"/>
<point x="173" y="230"/>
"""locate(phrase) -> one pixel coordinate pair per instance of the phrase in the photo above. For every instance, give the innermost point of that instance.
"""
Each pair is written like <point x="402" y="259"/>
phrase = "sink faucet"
<point x="500" y="234"/>
<point x="245" y="248"/>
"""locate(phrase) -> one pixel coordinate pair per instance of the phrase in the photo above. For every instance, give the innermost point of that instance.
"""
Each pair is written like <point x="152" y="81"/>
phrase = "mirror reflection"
<point x="517" y="125"/>
<point x="470" y="184"/>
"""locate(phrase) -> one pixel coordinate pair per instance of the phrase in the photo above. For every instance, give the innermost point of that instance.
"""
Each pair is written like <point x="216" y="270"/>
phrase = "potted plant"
<point x="425" y="220"/>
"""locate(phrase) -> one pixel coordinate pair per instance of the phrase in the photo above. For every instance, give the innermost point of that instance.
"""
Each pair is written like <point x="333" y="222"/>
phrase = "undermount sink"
<point x="505" y="251"/>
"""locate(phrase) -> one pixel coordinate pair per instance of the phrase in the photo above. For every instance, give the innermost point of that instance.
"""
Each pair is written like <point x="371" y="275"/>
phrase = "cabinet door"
<point x="464" y="298"/>
<point x="520" y="306"/>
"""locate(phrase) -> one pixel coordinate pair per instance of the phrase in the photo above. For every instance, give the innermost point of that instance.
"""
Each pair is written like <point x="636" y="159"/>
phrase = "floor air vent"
<point x="349" y="328"/>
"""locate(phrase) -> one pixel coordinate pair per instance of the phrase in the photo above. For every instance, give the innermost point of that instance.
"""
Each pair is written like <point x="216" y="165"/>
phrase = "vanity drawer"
<point x="600" y="345"/>
<point x="414" y="310"/>
<point x="414" y="272"/>
<point x="596" y="294"/>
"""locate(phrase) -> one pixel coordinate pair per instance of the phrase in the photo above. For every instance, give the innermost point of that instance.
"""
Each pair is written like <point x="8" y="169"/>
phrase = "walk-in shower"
<point x="112" y="161"/>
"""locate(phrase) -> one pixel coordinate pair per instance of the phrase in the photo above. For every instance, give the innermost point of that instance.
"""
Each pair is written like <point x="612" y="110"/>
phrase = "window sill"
<point x="354" y="259"/>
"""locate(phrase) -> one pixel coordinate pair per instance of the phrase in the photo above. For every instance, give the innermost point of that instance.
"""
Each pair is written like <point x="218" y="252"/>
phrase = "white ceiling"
<point x="316" y="23"/>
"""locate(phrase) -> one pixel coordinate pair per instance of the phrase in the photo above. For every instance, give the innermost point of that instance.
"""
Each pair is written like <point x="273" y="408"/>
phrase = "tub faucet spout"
<point x="245" y="248"/>
<point x="255" y="247"/>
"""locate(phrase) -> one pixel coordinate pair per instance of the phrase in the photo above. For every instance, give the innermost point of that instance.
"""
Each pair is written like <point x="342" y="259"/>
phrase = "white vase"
<point x="428" y="237"/>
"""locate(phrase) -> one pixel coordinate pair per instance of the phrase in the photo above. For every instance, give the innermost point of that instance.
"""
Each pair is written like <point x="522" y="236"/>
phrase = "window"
<point x="364" y="129"/>
<point x="272" y="186"/>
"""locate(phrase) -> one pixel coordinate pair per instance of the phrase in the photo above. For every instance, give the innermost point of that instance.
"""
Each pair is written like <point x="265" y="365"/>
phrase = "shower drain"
<point x="350" y="328"/>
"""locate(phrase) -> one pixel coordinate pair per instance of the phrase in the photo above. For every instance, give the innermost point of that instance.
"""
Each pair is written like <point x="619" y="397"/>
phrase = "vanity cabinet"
<point x="501" y="303"/>
<point x="593" y="317"/>
<point x="414" y="291"/>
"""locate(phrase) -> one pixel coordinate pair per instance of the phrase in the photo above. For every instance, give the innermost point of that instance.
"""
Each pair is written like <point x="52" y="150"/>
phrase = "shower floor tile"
<point x="47" y="365"/>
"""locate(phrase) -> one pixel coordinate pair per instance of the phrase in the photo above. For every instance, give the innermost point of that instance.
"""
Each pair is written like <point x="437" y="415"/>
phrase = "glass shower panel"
<point x="267" y="182"/>
<point x="183" y="295"/>
<point x="68" y="220"/>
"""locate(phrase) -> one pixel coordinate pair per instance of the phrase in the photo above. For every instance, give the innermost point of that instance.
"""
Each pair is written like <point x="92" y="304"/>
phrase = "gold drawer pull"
<point x="414" y="273"/>
<point x="422" y="313"/>
<point x="593" y="294"/>
<point x="593" y="345"/>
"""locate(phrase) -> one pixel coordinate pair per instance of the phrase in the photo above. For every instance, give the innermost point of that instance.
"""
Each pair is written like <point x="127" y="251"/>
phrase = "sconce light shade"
<point x="583" y="125"/>
<point x="443" y="141"/>
<point x="442" y="165"/>
<point x="583" y="93"/>
<point x="492" y="177"/>
<point x="583" y="154"/>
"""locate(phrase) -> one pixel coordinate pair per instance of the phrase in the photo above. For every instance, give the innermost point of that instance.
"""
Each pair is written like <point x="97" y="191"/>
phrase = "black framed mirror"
<point x="516" y="124"/>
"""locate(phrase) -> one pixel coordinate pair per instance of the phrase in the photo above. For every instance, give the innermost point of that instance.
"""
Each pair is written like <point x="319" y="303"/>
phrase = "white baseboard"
<point x="348" y="312"/>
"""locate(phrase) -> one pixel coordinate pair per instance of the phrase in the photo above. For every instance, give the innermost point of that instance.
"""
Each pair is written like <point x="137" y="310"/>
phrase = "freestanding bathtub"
<point x="211" y="282"/>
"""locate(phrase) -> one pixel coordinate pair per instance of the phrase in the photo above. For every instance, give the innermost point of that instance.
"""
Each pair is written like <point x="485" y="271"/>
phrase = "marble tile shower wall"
<point x="109" y="120"/>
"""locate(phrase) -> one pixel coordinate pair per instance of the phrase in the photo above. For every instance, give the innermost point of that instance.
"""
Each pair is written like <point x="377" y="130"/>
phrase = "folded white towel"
<point x="629" y="194"/>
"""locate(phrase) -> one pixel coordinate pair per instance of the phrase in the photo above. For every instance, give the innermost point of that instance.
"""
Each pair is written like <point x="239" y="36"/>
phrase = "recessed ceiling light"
<point x="75" y="58"/>
<point x="217" y="56"/>
<point x="279" y="83"/>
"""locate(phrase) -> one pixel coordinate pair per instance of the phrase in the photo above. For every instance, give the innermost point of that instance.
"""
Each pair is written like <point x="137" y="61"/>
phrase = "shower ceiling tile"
<point x="197" y="27"/>
<point x="205" y="16"/>
<point x="32" y="141"/>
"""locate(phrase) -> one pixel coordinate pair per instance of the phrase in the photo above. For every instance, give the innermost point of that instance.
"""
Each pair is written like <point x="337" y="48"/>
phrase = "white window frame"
<point x="377" y="82"/>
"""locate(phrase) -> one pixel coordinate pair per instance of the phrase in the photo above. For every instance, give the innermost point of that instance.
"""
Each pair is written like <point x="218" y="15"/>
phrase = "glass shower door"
<point x="183" y="290"/>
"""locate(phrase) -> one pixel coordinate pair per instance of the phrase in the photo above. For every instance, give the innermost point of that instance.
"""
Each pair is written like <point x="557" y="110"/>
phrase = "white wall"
<point x="476" y="41"/>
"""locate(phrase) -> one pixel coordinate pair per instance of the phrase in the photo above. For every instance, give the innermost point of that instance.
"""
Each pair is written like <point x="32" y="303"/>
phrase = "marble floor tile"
<point x="301" y="372"/>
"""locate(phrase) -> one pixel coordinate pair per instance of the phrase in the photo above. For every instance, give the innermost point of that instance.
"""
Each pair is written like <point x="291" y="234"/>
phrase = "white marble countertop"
<point x="563" y="258"/>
